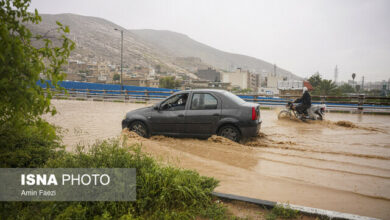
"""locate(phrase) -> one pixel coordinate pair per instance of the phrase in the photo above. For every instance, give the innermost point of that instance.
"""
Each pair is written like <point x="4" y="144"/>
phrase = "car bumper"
<point x="125" y="123"/>
<point x="251" y="131"/>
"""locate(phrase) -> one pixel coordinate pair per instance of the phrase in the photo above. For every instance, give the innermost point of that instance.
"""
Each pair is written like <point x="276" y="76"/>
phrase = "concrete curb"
<point x="302" y="209"/>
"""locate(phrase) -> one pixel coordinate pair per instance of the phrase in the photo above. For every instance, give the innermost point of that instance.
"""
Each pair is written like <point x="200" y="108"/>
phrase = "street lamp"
<point x="121" y="57"/>
<point x="353" y="80"/>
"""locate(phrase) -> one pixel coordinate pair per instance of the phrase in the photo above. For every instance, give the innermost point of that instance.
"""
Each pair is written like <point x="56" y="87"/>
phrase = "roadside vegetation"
<point x="281" y="212"/>
<point x="27" y="140"/>
<point x="342" y="93"/>
<point x="325" y="87"/>
<point x="163" y="192"/>
<point x="169" y="82"/>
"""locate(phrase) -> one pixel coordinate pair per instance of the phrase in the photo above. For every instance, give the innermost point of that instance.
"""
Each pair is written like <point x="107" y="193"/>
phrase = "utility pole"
<point x="121" y="57"/>
<point x="363" y="84"/>
<point x="274" y="69"/>
<point x="336" y="74"/>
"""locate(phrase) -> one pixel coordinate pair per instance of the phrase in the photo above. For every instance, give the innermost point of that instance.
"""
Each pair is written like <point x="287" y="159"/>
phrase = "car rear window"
<point x="233" y="97"/>
<point x="202" y="101"/>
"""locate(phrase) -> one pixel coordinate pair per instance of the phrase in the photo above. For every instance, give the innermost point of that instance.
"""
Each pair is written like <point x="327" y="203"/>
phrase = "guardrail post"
<point x="322" y="99"/>
<point x="126" y="95"/>
<point x="255" y="98"/>
<point x="146" y="95"/>
<point x="360" y="102"/>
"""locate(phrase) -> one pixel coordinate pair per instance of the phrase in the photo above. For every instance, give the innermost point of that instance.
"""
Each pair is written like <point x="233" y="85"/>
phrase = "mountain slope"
<point x="180" y="45"/>
<point x="97" y="39"/>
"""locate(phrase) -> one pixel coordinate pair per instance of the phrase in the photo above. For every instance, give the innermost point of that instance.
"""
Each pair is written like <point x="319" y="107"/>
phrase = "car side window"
<point x="203" y="101"/>
<point x="175" y="103"/>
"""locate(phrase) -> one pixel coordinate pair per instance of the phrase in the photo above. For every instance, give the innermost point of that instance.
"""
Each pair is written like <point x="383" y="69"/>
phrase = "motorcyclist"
<point x="304" y="102"/>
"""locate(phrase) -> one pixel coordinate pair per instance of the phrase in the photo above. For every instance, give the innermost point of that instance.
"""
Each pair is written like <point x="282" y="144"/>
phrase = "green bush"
<point x="280" y="211"/>
<point x="27" y="144"/>
<point x="163" y="192"/>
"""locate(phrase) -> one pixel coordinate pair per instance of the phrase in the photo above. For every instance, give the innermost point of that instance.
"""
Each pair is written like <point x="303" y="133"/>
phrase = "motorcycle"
<point x="315" y="112"/>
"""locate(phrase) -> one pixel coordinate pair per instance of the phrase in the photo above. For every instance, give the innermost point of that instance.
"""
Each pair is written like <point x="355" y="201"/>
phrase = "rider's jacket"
<point x="305" y="99"/>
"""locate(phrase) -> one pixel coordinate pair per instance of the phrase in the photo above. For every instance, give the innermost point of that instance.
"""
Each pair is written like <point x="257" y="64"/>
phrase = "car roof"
<point x="204" y="90"/>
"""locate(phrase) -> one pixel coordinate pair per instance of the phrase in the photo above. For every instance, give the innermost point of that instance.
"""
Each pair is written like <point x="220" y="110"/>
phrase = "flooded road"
<point x="337" y="166"/>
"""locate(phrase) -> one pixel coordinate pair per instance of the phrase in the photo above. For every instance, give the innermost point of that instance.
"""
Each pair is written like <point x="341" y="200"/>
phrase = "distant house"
<point x="141" y="82"/>
<point x="73" y="77"/>
<point x="293" y="87"/>
<point x="209" y="74"/>
<point x="242" y="79"/>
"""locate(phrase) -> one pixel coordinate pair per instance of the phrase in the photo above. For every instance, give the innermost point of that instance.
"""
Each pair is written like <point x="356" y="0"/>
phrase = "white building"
<point x="242" y="79"/>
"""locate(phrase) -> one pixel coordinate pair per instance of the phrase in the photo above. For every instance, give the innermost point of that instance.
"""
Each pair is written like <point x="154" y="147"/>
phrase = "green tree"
<point x="327" y="87"/>
<point x="346" y="88"/>
<point x="116" y="77"/>
<point x="357" y="88"/>
<point x="315" y="80"/>
<point x="169" y="82"/>
<point x="22" y="100"/>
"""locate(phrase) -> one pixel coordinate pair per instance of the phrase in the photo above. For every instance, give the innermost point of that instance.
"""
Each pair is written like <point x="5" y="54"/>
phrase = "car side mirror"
<point x="156" y="107"/>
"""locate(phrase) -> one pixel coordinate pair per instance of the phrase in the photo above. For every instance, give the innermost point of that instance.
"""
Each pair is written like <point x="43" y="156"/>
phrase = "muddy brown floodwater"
<point x="340" y="164"/>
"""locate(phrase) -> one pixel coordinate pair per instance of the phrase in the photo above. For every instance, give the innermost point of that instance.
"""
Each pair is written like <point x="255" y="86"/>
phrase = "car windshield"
<point x="235" y="98"/>
<point x="177" y="102"/>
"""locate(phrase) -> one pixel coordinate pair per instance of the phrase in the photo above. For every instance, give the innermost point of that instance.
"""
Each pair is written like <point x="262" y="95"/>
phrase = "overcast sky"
<point x="303" y="36"/>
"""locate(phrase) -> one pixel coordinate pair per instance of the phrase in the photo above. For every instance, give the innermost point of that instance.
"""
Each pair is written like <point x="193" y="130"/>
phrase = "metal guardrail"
<point x="321" y="213"/>
<point x="350" y="103"/>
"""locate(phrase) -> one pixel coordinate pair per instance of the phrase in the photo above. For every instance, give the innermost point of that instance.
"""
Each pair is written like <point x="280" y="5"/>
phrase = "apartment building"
<point x="242" y="79"/>
<point x="209" y="74"/>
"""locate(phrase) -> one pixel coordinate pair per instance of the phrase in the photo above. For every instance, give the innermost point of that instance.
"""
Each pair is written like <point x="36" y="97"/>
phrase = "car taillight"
<point x="254" y="115"/>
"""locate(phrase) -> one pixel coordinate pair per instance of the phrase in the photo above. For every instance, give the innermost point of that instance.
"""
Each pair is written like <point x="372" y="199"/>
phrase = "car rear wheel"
<point x="230" y="132"/>
<point x="139" y="128"/>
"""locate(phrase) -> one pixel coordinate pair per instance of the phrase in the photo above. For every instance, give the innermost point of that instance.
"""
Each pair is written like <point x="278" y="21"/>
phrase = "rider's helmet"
<point x="304" y="89"/>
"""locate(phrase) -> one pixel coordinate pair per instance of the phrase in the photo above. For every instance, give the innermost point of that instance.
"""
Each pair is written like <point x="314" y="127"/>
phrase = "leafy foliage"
<point x="169" y="82"/>
<point x="315" y="80"/>
<point x="346" y="88"/>
<point x="163" y="192"/>
<point x="25" y="139"/>
<point x="281" y="212"/>
<point x="327" y="87"/>
<point x="27" y="145"/>
<point x="21" y="63"/>
<point x="323" y="86"/>
<point x="116" y="77"/>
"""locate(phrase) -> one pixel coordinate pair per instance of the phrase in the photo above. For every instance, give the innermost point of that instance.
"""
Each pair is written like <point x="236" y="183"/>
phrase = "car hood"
<point x="141" y="111"/>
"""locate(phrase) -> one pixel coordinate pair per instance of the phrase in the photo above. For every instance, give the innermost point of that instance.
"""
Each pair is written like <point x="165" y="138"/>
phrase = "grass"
<point x="163" y="192"/>
<point x="281" y="212"/>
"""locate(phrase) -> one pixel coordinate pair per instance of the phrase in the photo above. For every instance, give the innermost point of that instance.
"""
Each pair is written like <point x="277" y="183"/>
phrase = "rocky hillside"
<point x="97" y="39"/>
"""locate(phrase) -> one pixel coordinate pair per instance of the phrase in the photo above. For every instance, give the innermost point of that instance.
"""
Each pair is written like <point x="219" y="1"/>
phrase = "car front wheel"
<point x="230" y="132"/>
<point x="139" y="128"/>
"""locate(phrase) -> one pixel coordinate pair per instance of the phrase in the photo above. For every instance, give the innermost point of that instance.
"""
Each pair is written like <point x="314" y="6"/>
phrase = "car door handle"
<point x="181" y="115"/>
<point x="215" y="114"/>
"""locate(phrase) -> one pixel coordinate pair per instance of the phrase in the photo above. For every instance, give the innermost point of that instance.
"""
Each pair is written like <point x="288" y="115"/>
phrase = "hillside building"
<point x="141" y="82"/>
<point x="242" y="79"/>
<point x="209" y="74"/>
<point x="293" y="87"/>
